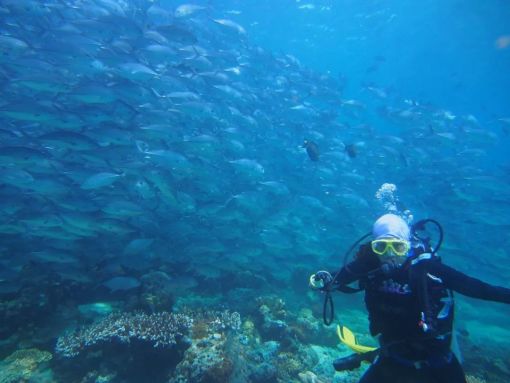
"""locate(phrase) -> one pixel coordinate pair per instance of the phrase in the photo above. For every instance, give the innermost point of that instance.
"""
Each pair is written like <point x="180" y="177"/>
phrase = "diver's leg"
<point x="377" y="372"/>
<point x="371" y="375"/>
<point x="386" y="370"/>
<point x="451" y="373"/>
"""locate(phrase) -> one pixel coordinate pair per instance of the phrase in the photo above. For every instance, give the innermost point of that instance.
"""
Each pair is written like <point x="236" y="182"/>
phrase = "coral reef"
<point x="161" y="330"/>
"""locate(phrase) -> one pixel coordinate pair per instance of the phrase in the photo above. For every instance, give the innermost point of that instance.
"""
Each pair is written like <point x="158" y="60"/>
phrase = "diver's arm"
<point x="348" y="274"/>
<point x="470" y="286"/>
<point x="334" y="280"/>
<point x="364" y="262"/>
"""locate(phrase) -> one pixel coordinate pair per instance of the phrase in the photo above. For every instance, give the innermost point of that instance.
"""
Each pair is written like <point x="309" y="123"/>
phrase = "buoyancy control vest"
<point x="410" y="303"/>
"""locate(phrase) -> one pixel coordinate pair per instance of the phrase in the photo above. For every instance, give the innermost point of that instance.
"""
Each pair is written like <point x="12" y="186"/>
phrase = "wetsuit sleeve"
<point x="470" y="286"/>
<point x="353" y="271"/>
<point x="347" y="274"/>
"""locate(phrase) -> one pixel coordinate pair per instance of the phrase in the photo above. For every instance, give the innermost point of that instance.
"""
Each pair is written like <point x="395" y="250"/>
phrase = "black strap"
<point x="353" y="361"/>
<point x="349" y="289"/>
<point x="328" y="301"/>
<point x="419" y="282"/>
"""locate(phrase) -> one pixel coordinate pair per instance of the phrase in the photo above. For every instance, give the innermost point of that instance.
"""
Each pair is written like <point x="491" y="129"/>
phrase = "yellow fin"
<point x="349" y="339"/>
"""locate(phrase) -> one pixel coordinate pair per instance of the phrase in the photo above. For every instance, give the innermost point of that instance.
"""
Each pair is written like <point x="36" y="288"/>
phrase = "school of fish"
<point x="134" y="135"/>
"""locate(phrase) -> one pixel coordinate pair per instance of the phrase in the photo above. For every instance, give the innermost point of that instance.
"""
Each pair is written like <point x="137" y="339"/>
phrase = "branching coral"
<point x="162" y="330"/>
<point x="211" y="321"/>
<point x="225" y="320"/>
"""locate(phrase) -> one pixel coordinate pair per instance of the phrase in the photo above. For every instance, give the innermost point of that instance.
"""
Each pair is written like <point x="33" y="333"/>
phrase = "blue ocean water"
<point x="172" y="173"/>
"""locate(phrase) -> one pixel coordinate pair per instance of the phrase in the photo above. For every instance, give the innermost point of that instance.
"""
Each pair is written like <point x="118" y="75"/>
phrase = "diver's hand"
<point x="320" y="280"/>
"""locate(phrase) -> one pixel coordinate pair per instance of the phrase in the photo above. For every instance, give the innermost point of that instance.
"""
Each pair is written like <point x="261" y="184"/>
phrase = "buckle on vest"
<point x="419" y="364"/>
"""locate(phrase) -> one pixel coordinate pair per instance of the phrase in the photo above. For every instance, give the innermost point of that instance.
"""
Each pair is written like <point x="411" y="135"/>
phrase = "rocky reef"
<point x="268" y="343"/>
<point x="26" y="365"/>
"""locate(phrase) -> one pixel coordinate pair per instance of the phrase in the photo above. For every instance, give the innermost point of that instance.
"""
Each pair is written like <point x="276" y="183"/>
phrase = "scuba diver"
<point x="409" y="299"/>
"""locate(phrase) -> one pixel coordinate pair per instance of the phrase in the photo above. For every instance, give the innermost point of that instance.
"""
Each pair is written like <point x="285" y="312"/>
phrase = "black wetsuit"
<point x="401" y="302"/>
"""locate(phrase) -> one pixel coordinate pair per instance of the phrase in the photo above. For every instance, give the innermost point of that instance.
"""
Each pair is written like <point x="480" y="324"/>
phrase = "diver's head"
<point x="391" y="240"/>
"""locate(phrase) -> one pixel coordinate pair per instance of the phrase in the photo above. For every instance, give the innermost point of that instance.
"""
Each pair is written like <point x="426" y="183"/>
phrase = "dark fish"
<point x="351" y="150"/>
<point x="372" y="68"/>
<point x="312" y="149"/>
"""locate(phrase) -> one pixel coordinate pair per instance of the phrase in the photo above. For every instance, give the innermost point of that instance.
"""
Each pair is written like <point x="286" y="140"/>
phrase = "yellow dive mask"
<point x="397" y="246"/>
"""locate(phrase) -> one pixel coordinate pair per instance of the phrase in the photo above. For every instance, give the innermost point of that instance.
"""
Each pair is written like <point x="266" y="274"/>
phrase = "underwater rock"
<point x="309" y="377"/>
<point x="474" y="379"/>
<point x="273" y="324"/>
<point x="205" y="361"/>
<point x="288" y="365"/>
<point x="264" y="373"/>
<point x="488" y="364"/>
<point x="265" y="352"/>
<point x="98" y="377"/>
<point x="307" y="327"/>
<point x="27" y="308"/>
<point x="254" y="362"/>
<point x="320" y="359"/>
<point x="215" y="353"/>
<point x="272" y="328"/>
<point x="156" y="293"/>
<point x="291" y="364"/>
<point x="274" y="305"/>
<point x="249" y="330"/>
<point x="25" y="365"/>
